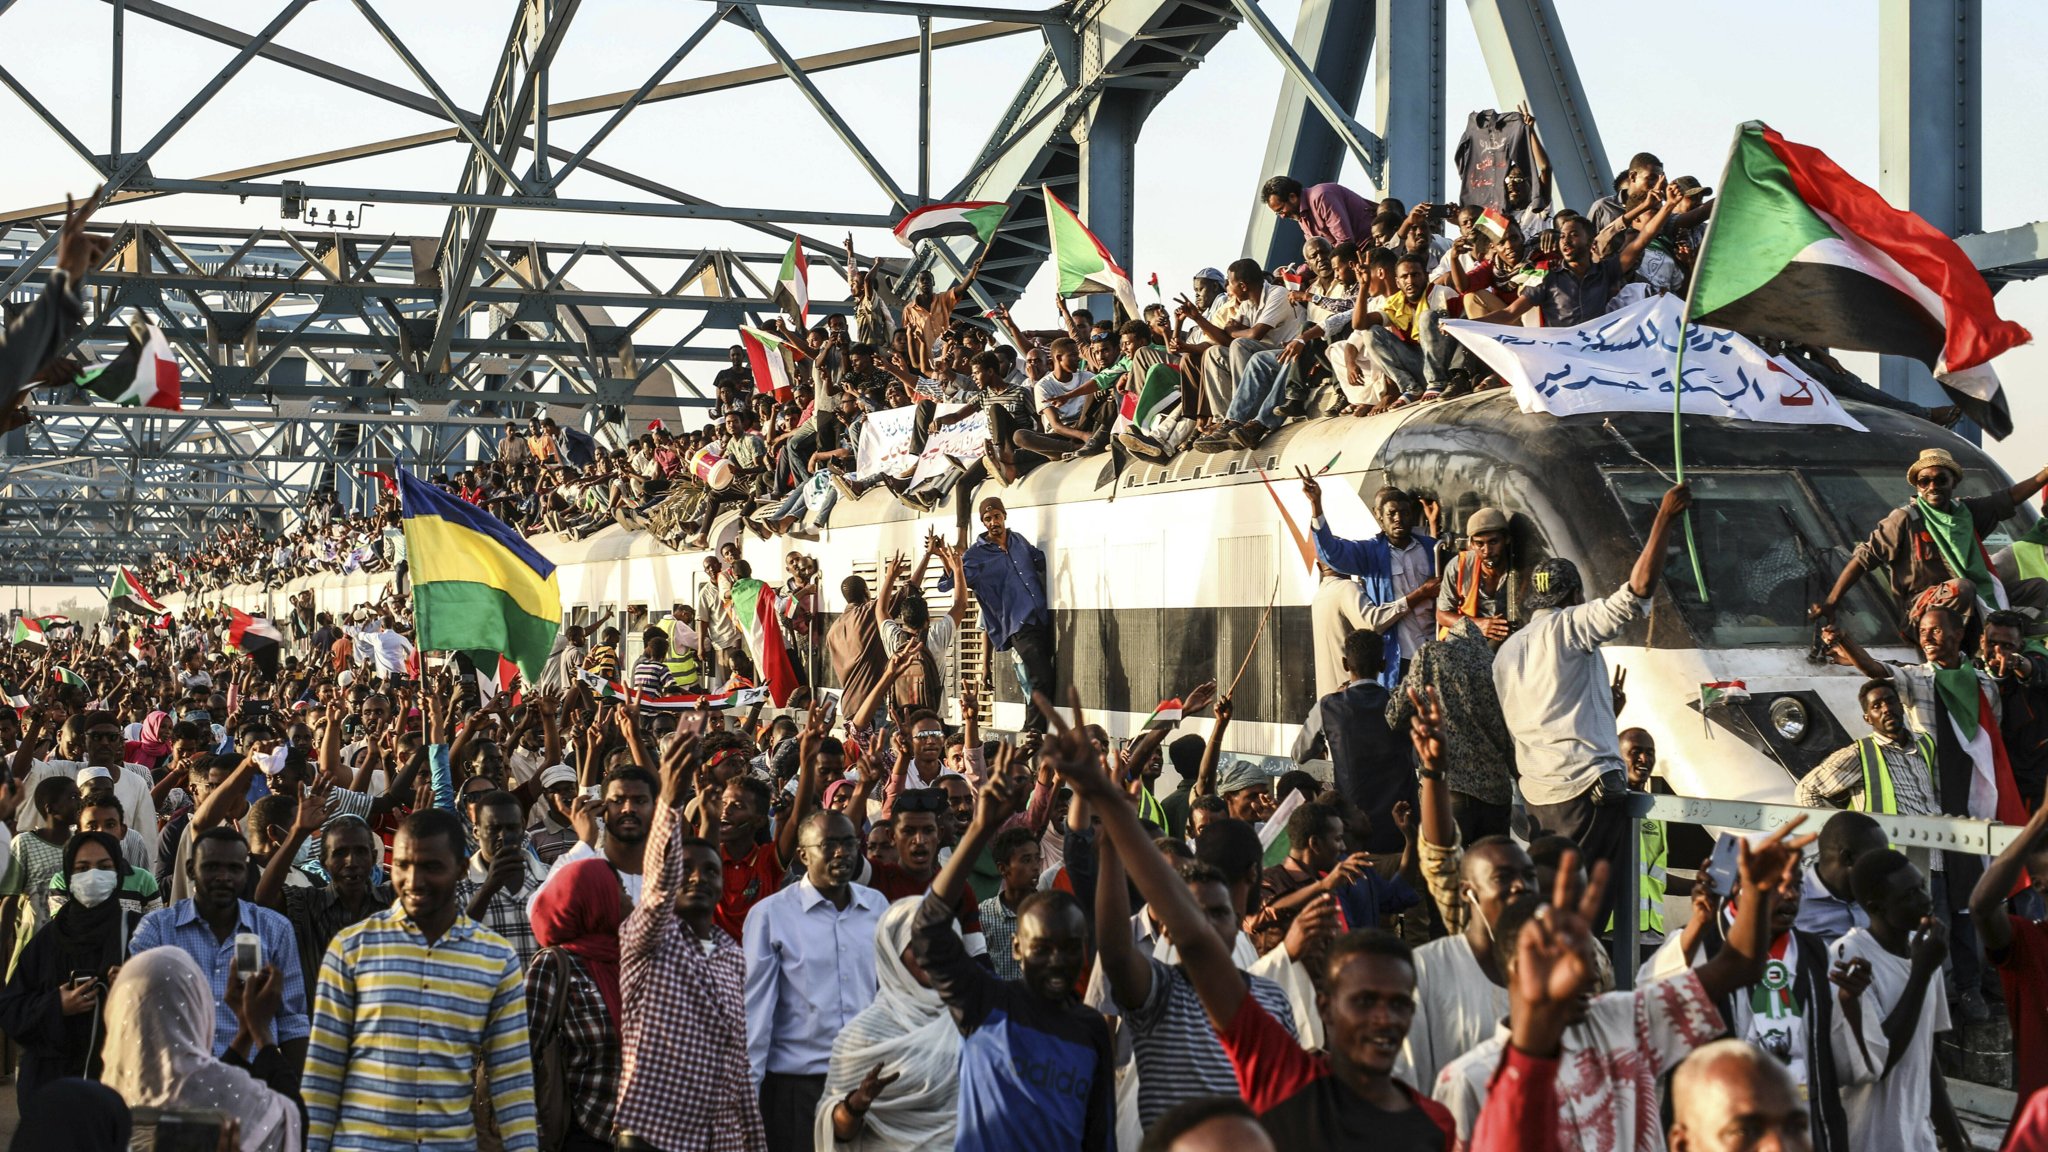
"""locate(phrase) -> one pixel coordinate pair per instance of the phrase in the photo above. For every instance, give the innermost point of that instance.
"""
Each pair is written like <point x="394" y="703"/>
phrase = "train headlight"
<point x="1789" y="717"/>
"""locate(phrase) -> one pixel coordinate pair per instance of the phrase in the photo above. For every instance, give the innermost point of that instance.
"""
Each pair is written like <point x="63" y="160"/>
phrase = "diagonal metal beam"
<point x="278" y="53"/>
<point x="802" y="80"/>
<point x="1370" y="149"/>
<point x="49" y="120"/>
<point x="132" y="164"/>
<point x="463" y="125"/>
<point x="640" y="94"/>
<point x="1046" y="16"/>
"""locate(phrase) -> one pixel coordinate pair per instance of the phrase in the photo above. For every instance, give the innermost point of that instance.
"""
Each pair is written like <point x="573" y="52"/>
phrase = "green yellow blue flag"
<point x="476" y="582"/>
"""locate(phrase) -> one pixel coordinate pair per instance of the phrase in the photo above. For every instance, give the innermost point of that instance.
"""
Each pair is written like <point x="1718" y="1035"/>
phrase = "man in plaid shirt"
<point x="686" y="1086"/>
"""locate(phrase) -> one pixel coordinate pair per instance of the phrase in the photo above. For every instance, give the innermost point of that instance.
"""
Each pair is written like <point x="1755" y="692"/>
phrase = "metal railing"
<point x="1914" y="835"/>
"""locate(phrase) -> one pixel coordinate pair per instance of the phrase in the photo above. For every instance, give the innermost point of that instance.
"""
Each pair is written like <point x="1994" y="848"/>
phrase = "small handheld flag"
<point x="793" y="285"/>
<point x="1166" y="715"/>
<point x="145" y="374"/>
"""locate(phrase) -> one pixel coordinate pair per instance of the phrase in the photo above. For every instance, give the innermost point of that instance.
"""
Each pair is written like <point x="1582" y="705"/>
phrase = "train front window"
<point x="1766" y="552"/>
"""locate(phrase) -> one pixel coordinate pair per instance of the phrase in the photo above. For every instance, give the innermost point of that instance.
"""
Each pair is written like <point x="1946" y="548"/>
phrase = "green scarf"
<point x="1955" y="537"/>
<point x="1958" y="688"/>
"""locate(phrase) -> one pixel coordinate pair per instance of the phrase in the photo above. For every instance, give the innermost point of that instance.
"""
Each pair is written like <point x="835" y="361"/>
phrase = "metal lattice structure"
<point x="316" y="347"/>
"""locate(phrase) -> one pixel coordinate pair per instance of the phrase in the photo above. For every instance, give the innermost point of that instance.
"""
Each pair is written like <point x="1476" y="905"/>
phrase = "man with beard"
<point x="1398" y="567"/>
<point x="916" y="821"/>
<point x="810" y="968"/>
<point x="683" y="1030"/>
<point x="1036" y="1066"/>
<point x="620" y="821"/>
<point x="1478" y="582"/>
<point x="205" y="927"/>
<point x="1956" y="707"/>
<point x="95" y="740"/>
<point x="2023" y="691"/>
<point x="1345" y="1097"/>
<point x="419" y="968"/>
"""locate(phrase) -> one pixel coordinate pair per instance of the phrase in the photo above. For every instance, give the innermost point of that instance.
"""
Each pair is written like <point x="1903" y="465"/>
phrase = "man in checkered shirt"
<point x="686" y="1084"/>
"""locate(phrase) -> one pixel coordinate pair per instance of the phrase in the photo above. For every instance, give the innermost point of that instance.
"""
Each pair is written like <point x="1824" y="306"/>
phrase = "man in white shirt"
<point x="810" y="958"/>
<point x="1903" y="946"/>
<point x="1264" y="318"/>
<point x="1063" y="393"/>
<point x="1557" y="699"/>
<point x="95" y="742"/>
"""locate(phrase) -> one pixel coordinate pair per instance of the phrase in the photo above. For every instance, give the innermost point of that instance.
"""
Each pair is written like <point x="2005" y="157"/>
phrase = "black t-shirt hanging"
<point x="1493" y="143"/>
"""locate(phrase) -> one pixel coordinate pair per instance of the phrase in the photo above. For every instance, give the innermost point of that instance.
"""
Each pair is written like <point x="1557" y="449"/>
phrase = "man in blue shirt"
<point x="206" y="925"/>
<point x="1008" y="577"/>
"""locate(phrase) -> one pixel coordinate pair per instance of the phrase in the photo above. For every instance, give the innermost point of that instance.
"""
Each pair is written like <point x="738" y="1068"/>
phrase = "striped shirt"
<point x="1840" y="776"/>
<point x="1178" y="1054"/>
<point x="398" y="1028"/>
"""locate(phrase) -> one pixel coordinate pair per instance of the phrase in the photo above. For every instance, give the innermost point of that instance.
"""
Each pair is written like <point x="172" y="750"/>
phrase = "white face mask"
<point x="92" y="888"/>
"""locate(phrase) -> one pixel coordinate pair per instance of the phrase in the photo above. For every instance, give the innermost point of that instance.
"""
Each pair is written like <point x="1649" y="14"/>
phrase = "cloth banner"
<point x="1622" y="363"/>
<point x="961" y="443"/>
<point x="885" y="440"/>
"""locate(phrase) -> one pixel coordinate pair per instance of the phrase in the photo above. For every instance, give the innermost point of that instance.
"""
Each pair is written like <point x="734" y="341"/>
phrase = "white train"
<point x="1159" y="575"/>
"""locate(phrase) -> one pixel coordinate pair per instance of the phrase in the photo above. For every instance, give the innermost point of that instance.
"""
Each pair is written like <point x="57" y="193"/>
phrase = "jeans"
<point x="794" y="505"/>
<point x="1222" y="367"/>
<point x="1259" y="388"/>
<point x="1031" y="650"/>
<point x="1426" y="363"/>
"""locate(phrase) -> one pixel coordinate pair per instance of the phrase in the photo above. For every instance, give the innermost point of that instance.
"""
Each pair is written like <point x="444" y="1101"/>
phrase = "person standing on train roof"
<point x="1398" y="567"/>
<point x="1937" y="536"/>
<point x="1558" y="701"/>
<point x="1007" y="574"/>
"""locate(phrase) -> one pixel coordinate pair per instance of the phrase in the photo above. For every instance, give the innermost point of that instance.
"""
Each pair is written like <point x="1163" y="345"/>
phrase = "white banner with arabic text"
<point x="885" y="439"/>
<point x="1622" y="362"/>
<point x="962" y="443"/>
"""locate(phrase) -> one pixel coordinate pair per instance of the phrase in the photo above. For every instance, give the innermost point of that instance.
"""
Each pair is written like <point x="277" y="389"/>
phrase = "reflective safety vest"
<point x="682" y="666"/>
<point x="1650" y="901"/>
<point x="2031" y="559"/>
<point x="1878" y="794"/>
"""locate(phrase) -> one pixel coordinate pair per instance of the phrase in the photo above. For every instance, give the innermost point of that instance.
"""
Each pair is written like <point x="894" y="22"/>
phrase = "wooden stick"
<point x="1247" y="662"/>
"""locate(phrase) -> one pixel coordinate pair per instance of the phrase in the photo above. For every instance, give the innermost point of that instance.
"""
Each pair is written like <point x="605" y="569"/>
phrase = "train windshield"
<point x="1766" y="550"/>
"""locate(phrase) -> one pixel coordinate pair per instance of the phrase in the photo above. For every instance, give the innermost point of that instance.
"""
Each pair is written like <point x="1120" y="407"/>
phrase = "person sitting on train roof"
<point x="1479" y="583"/>
<point x="1398" y="566"/>
<point x="1260" y="318"/>
<point x="1580" y="287"/>
<point x="1937" y="536"/>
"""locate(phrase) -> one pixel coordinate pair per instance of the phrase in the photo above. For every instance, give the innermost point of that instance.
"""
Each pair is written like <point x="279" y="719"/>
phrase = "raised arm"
<point x="892" y="576"/>
<point x="1649" y="566"/>
<point x="1987" y="899"/>
<point x="1205" y="775"/>
<point x="1130" y="974"/>
<point x="2024" y="491"/>
<point x="1836" y="641"/>
<point x="1632" y="254"/>
<point x="807" y="788"/>
<point x="1764" y="871"/>
<point x="312" y="815"/>
<point x="1203" y="954"/>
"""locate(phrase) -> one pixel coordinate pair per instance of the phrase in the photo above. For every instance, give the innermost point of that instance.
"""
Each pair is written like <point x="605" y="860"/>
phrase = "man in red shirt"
<point x="2019" y="947"/>
<point x="736" y="816"/>
<point x="1344" y="1097"/>
<point x="914" y="818"/>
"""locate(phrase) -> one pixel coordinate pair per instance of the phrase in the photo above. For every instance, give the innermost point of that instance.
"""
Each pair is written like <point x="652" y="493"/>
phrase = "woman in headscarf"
<point x="51" y="1005"/>
<point x="73" y="1115"/>
<point x="894" y="1081"/>
<point x="159" y="1051"/>
<point x="151" y="745"/>
<point x="575" y="976"/>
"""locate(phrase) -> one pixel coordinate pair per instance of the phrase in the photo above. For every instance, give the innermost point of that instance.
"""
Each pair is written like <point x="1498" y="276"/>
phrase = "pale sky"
<point x="1667" y="78"/>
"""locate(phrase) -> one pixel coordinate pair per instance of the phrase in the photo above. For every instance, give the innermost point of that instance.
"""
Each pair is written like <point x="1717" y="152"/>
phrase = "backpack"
<point x="554" y="1114"/>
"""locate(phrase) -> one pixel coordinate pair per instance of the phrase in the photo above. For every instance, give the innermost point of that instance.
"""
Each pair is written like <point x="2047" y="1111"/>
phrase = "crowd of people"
<point x="377" y="899"/>
<point x="352" y="895"/>
<point x="1353" y="329"/>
